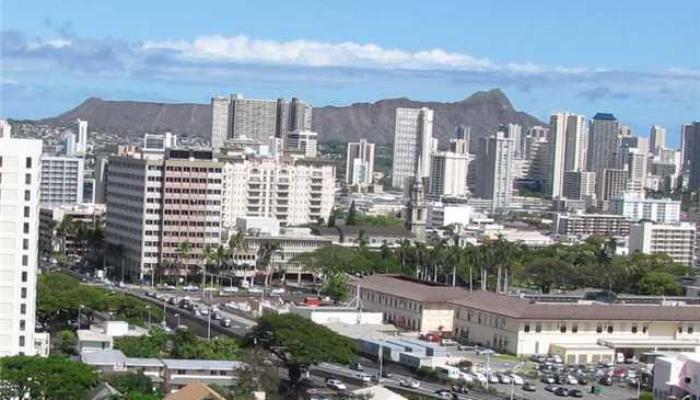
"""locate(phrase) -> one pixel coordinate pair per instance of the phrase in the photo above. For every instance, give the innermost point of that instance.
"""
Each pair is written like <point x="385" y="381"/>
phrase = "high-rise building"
<point x="690" y="136"/>
<point x="5" y="128"/>
<point x="657" y="138"/>
<point x="460" y="142"/>
<point x="359" y="163"/>
<point x="567" y="149"/>
<point x="636" y="207"/>
<point x="495" y="164"/>
<point x="537" y="153"/>
<point x="578" y="185"/>
<point x="413" y="143"/>
<point x="61" y="180"/>
<point x="633" y="142"/>
<point x="101" y="166"/>
<point x="19" y="232"/>
<point x="603" y="143"/>
<point x="220" y="120"/>
<point x="81" y="145"/>
<point x="448" y="176"/>
<point x="154" y="206"/>
<point x="239" y="118"/>
<point x="293" y="191"/>
<point x="302" y="142"/>
<point x="610" y="183"/>
<point x="637" y="170"/>
<point x="625" y="131"/>
<point x="675" y="240"/>
<point x="515" y="132"/>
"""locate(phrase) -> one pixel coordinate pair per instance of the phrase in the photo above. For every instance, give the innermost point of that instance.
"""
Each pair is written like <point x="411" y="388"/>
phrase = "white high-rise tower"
<point x="81" y="145"/>
<point x="413" y="143"/>
<point x="567" y="149"/>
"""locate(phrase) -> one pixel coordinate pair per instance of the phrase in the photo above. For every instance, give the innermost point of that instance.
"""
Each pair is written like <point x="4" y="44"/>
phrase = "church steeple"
<point x="416" y="210"/>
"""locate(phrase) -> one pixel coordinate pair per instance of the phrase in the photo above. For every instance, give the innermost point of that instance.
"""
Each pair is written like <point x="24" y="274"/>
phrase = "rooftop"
<point x="605" y="117"/>
<point x="520" y="308"/>
<point x="411" y="289"/>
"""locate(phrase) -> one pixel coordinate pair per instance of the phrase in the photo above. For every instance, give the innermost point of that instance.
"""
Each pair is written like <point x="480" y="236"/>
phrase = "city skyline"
<point x="644" y="76"/>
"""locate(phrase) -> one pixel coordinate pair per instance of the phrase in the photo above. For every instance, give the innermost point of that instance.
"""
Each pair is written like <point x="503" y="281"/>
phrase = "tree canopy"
<point x="182" y="345"/>
<point x="299" y="343"/>
<point x="52" y="378"/>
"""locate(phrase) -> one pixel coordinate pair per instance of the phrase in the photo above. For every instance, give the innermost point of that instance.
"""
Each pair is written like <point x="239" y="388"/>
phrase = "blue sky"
<point x="637" y="59"/>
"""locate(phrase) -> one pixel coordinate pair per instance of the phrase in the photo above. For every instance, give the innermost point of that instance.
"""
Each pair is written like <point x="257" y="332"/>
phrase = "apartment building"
<point x="19" y="231"/>
<point x="294" y="191"/>
<point x="303" y="143"/>
<point x="413" y="144"/>
<point x="495" y="170"/>
<point x="51" y="217"/>
<point x="636" y="207"/>
<point x="675" y="240"/>
<point x="448" y="174"/>
<point x="155" y="205"/>
<point x="359" y="163"/>
<point x="61" y="180"/>
<point x="578" y="185"/>
<point x="582" y="225"/>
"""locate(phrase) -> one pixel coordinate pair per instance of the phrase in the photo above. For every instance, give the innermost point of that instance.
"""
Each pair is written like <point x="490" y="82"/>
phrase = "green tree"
<point x="152" y="346"/>
<point x="52" y="378"/>
<point x="351" y="218"/>
<point x="66" y="343"/>
<point x="299" y="343"/>
<point x="659" y="284"/>
<point x="336" y="287"/>
<point x="264" y="258"/>
<point x="547" y="273"/>
<point x="130" y="384"/>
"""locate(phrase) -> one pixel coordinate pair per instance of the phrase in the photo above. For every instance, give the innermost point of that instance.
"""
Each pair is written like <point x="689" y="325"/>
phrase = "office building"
<point x="302" y="142"/>
<point x="67" y="145"/>
<point x="448" y="176"/>
<point x="637" y="143"/>
<point x="51" y="217"/>
<point x="603" y="143"/>
<point x="294" y="191"/>
<point x="61" y="180"/>
<point x="537" y="153"/>
<point x="460" y="142"/>
<point x="236" y="117"/>
<point x="19" y="232"/>
<point x="610" y="183"/>
<point x="675" y="240"/>
<point x="635" y="207"/>
<point x="155" y="205"/>
<point x="156" y="144"/>
<point x="582" y="225"/>
<point x="567" y="149"/>
<point x="359" y="163"/>
<point x="413" y="144"/>
<point x="81" y="144"/>
<point x="690" y="137"/>
<point x="495" y="163"/>
<point x="515" y="132"/>
<point x="101" y="165"/>
<point x="657" y="138"/>
<point x="578" y="185"/>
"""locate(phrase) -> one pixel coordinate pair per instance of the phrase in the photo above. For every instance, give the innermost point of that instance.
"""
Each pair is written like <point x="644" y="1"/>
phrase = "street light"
<point x="148" y="308"/>
<point x="178" y="320"/>
<point x="209" y="324"/>
<point x="80" y="314"/>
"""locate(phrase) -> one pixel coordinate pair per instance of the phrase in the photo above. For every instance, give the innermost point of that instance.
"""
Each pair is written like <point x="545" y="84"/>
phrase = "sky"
<point x="637" y="59"/>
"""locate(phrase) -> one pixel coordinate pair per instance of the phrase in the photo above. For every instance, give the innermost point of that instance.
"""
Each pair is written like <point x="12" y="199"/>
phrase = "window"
<point x="25" y="228"/>
<point x="26" y="212"/>
<point x="21" y="341"/>
<point x="22" y="325"/>
<point x="574" y="328"/>
<point x="27" y="195"/>
<point x="28" y="162"/>
<point x="680" y="329"/>
<point x="526" y="328"/>
<point x="23" y="309"/>
<point x="634" y="328"/>
<point x="690" y="330"/>
<point x="28" y="179"/>
<point x="610" y="329"/>
<point x="25" y="260"/>
<point x="644" y="329"/>
<point x="25" y="244"/>
<point x="24" y="276"/>
<point x="599" y="329"/>
<point x="562" y="329"/>
<point x="23" y="293"/>
<point x="538" y="327"/>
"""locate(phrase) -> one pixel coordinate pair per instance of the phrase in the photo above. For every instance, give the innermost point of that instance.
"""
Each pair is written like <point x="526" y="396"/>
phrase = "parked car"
<point x="277" y="292"/>
<point x="190" y="288"/>
<point x="484" y="351"/>
<point x="575" y="393"/>
<point x="571" y="380"/>
<point x="215" y="315"/>
<point x="410" y="383"/>
<point x="504" y="379"/>
<point x="529" y="387"/>
<point x="226" y="322"/>
<point x="255" y="290"/>
<point x="493" y="379"/>
<point x="336" y="384"/>
<point x="605" y="381"/>
<point x="551" y="388"/>
<point x="548" y="379"/>
<point x="517" y="380"/>
<point x="443" y="394"/>
<point x="562" y="392"/>
<point x="448" y="342"/>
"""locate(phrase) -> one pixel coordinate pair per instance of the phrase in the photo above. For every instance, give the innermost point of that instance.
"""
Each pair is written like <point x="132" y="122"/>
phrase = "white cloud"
<point x="243" y="49"/>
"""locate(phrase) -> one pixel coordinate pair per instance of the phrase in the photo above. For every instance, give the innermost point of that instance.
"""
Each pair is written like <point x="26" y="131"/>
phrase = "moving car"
<point x="443" y="394"/>
<point x="190" y="288"/>
<point x="336" y="384"/>
<point x="529" y="387"/>
<point x="364" y="377"/>
<point x="413" y="384"/>
<point x="504" y="379"/>
<point x="255" y="290"/>
<point x="226" y="322"/>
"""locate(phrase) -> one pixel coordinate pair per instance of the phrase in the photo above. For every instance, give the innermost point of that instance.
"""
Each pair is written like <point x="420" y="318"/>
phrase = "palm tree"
<point x="183" y="252"/>
<point x="237" y="243"/>
<point x="264" y="257"/>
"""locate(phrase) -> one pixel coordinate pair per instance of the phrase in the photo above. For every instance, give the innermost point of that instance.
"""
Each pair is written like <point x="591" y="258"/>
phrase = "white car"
<point x="504" y="379"/>
<point x="493" y="379"/>
<point x="448" y="342"/>
<point x="571" y="380"/>
<point x="364" y="377"/>
<point x="190" y="288"/>
<point x="255" y="290"/>
<point x="229" y="289"/>
<point x="336" y="384"/>
<point x="410" y="383"/>
<point x="517" y="380"/>
<point x="481" y="378"/>
<point x="277" y="292"/>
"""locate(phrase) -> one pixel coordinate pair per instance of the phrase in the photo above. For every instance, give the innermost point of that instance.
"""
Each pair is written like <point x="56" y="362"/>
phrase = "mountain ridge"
<point x="483" y="111"/>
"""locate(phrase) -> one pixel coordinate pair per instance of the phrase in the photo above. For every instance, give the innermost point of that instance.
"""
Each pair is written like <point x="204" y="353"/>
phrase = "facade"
<point x="578" y="185"/>
<point x="413" y="144"/>
<point x="676" y="240"/>
<point x="81" y="144"/>
<point x="359" y="163"/>
<point x="496" y="170"/>
<point x="690" y="137"/>
<point x="51" y="217"/>
<point x="657" y="138"/>
<point x="515" y="132"/>
<point x="155" y="205"/>
<point x="603" y="142"/>
<point x="294" y="191"/>
<point x="536" y="151"/>
<point x="581" y="332"/>
<point x="448" y="176"/>
<point x="19" y="232"/>
<point x="61" y="180"/>
<point x="636" y="170"/>
<point x="220" y="120"/>
<point x="582" y="225"/>
<point x="416" y="209"/>
<point x="567" y="149"/>
<point x="610" y="183"/>
<point x="302" y="142"/>
<point x="636" y="207"/>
